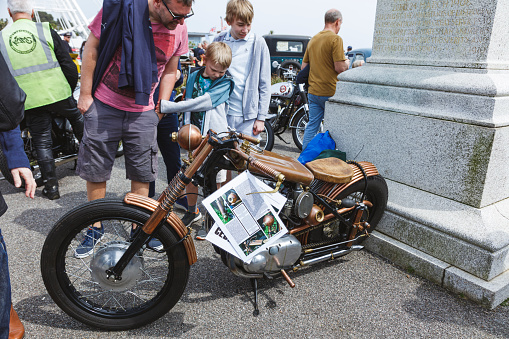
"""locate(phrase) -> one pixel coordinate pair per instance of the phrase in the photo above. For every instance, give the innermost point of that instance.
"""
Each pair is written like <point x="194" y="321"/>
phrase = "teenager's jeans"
<point x="316" y="110"/>
<point x="5" y="291"/>
<point x="170" y="150"/>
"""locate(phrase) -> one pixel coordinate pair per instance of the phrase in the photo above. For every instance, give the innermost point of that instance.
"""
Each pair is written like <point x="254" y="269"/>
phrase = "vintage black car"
<point x="358" y="54"/>
<point x="287" y="50"/>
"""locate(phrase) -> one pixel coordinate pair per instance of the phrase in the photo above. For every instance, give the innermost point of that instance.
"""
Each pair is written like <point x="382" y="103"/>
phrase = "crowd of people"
<point x="130" y="69"/>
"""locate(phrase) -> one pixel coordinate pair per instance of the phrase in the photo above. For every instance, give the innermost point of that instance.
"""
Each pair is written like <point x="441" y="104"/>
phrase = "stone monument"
<point x="431" y="110"/>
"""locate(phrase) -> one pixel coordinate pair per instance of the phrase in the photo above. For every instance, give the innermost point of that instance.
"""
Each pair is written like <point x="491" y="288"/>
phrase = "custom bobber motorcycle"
<point x="124" y="283"/>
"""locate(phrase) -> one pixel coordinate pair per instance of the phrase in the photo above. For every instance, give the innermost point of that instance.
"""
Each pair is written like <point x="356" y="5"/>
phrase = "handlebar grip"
<point x="249" y="138"/>
<point x="261" y="167"/>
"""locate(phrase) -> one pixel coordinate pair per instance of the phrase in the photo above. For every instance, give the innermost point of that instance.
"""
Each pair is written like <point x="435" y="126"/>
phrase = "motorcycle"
<point x="331" y="207"/>
<point x="65" y="146"/>
<point x="289" y="106"/>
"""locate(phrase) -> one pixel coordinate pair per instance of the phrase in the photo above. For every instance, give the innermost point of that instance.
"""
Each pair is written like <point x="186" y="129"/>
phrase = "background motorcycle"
<point x="289" y="106"/>
<point x="331" y="207"/>
<point x="65" y="146"/>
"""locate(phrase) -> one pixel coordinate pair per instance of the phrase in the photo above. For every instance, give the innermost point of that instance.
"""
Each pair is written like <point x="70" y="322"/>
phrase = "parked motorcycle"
<point x="65" y="148"/>
<point x="289" y="106"/>
<point x="331" y="208"/>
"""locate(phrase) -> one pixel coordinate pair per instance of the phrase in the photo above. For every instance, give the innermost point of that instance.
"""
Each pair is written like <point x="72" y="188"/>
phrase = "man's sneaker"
<point x="201" y="234"/>
<point x="92" y="238"/>
<point x="153" y="243"/>
<point x="191" y="217"/>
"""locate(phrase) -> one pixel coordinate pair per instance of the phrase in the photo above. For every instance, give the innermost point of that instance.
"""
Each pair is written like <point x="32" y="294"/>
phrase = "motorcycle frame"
<point x="202" y="171"/>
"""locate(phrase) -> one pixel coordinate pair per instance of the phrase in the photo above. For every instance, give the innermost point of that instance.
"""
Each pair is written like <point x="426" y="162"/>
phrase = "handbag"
<point x="12" y="99"/>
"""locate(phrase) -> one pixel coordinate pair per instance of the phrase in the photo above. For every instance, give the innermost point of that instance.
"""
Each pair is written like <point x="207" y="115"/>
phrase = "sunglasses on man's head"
<point x="177" y="17"/>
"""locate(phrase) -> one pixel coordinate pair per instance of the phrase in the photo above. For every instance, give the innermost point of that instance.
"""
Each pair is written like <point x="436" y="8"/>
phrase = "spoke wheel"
<point x="267" y="137"/>
<point x="151" y="284"/>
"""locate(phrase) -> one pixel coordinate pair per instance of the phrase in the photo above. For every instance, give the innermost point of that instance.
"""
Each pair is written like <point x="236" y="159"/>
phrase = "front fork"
<point x="161" y="213"/>
<point x="155" y="221"/>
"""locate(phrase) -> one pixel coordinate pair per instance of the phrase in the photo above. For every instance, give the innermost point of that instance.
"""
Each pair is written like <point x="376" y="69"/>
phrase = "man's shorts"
<point x="105" y="126"/>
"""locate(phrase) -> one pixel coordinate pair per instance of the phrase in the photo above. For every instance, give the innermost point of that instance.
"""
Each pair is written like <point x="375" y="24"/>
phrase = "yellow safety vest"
<point x="27" y="48"/>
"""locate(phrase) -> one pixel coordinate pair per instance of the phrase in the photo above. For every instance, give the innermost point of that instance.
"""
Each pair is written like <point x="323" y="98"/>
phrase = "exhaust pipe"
<point x="326" y="257"/>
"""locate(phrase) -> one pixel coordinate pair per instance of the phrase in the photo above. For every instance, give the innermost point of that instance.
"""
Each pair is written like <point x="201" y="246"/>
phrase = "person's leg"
<point x="316" y="113"/>
<point x="67" y="108"/>
<point x="96" y="156"/>
<point x="39" y="123"/>
<point x="140" y="188"/>
<point x="170" y="150"/>
<point x="140" y="153"/>
<point x="5" y="291"/>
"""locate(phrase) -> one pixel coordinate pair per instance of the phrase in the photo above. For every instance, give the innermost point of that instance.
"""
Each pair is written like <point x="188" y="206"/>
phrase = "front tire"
<point x="152" y="285"/>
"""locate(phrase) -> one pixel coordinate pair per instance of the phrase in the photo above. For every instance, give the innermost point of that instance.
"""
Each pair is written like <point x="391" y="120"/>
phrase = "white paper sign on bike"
<point x="247" y="222"/>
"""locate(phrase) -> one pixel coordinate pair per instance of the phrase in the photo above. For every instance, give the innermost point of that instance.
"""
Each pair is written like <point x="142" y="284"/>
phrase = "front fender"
<point x="174" y="221"/>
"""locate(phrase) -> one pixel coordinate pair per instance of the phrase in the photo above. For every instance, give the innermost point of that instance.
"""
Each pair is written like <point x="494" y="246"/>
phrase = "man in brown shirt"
<point x="326" y="60"/>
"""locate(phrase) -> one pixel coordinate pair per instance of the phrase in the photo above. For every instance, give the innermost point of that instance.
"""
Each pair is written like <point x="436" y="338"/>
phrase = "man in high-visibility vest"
<point x="43" y="68"/>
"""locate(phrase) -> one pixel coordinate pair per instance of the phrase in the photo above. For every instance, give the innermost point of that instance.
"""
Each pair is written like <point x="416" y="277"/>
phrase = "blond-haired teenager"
<point x="205" y="105"/>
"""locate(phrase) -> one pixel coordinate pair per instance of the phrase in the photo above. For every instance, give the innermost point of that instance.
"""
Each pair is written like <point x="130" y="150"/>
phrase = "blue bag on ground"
<point x="320" y="142"/>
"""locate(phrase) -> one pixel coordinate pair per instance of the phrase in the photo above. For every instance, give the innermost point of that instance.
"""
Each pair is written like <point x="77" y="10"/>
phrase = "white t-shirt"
<point x="242" y="52"/>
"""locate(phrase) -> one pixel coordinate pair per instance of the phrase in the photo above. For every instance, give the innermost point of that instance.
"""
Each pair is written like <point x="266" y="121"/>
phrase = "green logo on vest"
<point x="22" y="42"/>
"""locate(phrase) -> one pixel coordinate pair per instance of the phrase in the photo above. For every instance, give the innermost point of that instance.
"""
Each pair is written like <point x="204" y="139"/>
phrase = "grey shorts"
<point x="241" y="126"/>
<point x="105" y="126"/>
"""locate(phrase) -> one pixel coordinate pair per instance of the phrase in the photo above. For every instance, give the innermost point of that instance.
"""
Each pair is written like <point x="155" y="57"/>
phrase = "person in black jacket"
<point x="48" y="84"/>
<point x="12" y="147"/>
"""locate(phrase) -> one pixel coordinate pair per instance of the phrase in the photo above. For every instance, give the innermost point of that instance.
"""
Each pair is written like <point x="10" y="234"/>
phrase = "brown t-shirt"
<point x="323" y="50"/>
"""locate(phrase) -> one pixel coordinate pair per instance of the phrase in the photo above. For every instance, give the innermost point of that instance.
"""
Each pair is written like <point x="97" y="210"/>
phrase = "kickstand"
<point x="254" y="283"/>
<point x="281" y="138"/>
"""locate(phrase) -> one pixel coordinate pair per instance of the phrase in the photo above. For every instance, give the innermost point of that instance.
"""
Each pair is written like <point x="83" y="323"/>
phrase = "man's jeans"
<point x="316" y="110"/>
<point x="5" y="291"/>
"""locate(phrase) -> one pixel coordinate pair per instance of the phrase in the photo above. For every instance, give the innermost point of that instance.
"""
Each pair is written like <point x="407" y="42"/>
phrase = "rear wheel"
<point x="151" y="284"/>
<point x="376" y="194"/>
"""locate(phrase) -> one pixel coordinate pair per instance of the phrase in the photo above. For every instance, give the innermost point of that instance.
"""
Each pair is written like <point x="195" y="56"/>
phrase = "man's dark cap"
<point x="67" y="34"/>
<point x="349" y="47"/>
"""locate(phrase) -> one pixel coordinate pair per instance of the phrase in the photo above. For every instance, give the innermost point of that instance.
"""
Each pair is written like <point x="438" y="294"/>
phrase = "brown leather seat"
<point x="331" y="170"/>
<point x="16" y="329"/>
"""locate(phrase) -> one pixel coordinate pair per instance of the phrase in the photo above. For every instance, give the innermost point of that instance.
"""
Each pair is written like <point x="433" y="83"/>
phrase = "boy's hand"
<point x="158" y="110"/>
<point x="258" y="127"/>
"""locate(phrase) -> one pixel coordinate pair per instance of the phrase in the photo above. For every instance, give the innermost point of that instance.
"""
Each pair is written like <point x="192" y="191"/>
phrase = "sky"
<point x="296" y="17"/>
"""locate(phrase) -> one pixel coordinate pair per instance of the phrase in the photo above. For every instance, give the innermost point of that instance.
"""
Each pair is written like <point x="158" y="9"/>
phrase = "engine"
<point x="283" y="254"/>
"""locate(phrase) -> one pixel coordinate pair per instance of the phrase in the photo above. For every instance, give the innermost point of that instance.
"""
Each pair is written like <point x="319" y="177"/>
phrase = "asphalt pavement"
<point x="360" y="295"/>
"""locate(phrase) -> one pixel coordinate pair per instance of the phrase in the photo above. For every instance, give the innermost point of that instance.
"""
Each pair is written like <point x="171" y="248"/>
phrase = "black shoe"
<point x="51" y="192"/>
<point x="190" y="217"/>
<point x="201" y="234"/>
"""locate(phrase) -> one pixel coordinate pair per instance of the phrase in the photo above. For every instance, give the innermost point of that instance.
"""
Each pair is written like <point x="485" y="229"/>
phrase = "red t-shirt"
<point x="167" y="44"/>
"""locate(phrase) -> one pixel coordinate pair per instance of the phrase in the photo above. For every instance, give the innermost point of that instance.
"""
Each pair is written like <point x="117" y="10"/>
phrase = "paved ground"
<point x="361" y="295"/>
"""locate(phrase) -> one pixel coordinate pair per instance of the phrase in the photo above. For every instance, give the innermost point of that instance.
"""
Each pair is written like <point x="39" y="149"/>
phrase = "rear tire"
<point x="153" y="282"/>
<point x="377" y="194"/>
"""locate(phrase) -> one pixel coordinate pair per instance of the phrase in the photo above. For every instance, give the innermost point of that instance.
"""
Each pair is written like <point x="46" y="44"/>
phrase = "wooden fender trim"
<point x="332" y="190"/>
<point x="174" y="221"/>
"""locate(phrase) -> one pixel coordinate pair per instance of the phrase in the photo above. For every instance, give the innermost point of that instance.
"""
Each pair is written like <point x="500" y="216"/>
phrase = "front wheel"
<point x="151" y="284"/>
<point x="299" y="123"/>
<point x="267" y="137"/>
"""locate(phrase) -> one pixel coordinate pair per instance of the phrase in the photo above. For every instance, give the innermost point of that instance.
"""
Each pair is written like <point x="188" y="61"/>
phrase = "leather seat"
<point x="331" y="170"/>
